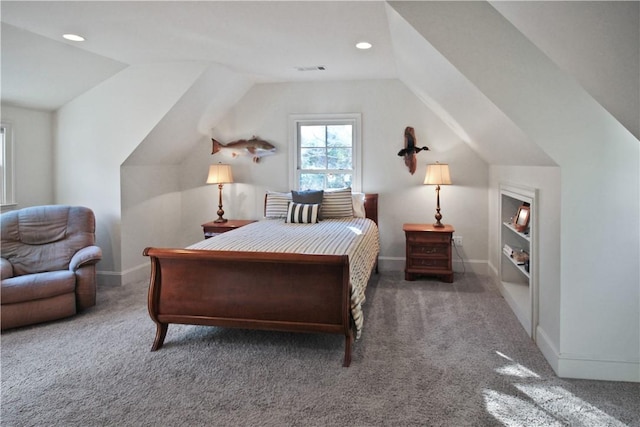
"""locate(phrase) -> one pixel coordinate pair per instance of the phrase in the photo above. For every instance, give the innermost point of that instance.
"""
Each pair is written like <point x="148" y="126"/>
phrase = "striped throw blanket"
<point x="356" y="237"/>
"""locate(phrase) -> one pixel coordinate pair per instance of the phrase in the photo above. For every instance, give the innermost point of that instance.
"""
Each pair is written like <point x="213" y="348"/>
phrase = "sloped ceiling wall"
<point x="27" y="79"/>
<point x="598" y="43"/>
<point x="457" y="101"/>
<point x="192" y="117"/>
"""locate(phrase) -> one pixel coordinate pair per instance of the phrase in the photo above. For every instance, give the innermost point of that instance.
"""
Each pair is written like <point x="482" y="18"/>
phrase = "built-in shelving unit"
<point x="518" y="280"/>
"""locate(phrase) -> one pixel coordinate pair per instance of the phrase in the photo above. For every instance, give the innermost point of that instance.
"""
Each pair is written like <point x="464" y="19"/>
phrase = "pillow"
<point x="276" y="204"/>
<point x="337" y="204"/>
<point x="301" y="213"/>
<point x="357" y="200"/>
<point x="309" y="197"/>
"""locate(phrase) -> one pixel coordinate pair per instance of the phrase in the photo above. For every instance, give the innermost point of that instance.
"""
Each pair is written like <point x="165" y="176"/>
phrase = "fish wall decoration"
<point x="410" y="149"/>
<point x="254" y="147"/>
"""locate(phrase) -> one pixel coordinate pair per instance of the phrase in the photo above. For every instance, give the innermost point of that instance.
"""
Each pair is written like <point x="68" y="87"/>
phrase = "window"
<point x="7" y="196"/>
<point x="325" y="152"/>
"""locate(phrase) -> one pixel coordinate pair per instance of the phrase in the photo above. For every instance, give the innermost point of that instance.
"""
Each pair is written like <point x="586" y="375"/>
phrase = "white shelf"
<point x="518" y="286"/>
<point x="516" y="232"/>
<point x="520" y="267"/>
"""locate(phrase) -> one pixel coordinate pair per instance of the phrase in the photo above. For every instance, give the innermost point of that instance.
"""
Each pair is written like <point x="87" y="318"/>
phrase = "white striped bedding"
<point x="356" y="237"/>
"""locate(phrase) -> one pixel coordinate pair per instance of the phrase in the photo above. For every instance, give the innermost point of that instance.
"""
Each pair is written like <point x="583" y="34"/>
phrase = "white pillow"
<point x="358" y="205"/>
<point x="337" y="203"/>
<point x="276" y="204"/>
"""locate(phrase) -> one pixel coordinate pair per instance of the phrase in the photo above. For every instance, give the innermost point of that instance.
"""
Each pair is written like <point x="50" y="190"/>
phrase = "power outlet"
<point x="457" y="240"/>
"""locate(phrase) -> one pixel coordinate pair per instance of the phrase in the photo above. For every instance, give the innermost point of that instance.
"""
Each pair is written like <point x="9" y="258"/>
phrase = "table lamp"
<point x="437" y="174"/>
<point x="220" y="174"/>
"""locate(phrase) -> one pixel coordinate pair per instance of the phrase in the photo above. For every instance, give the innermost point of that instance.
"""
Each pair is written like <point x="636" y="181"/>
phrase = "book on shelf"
<point x="508" y="250"/>
<point x="517" y="254"/>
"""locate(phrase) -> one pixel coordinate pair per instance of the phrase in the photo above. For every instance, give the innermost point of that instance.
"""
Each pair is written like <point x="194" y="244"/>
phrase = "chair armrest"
<point x="88" y="255"/>
<point x="6" y="269"/>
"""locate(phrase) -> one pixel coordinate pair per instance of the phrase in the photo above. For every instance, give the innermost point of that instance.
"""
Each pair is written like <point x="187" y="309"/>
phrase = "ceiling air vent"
<point x="312" y="68"/>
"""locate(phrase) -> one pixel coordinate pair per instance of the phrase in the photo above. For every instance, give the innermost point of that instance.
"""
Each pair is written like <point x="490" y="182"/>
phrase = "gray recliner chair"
<point x="48" y="264"/>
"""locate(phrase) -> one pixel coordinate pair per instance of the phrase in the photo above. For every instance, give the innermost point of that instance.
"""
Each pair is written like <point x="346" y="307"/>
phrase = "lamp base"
<point x="438" y="216"/>
<point x="220" y="214"/>
<point x="220" y="210"/>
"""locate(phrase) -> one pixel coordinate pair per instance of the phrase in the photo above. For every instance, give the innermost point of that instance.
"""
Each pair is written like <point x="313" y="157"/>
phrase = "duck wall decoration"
<point x="410" y="149"/>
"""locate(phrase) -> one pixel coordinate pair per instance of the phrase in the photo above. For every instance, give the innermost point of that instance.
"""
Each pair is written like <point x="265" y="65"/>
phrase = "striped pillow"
<point x="276" y="204"/>
<point x="337" y="203"/>
<point x="300" y="213"/>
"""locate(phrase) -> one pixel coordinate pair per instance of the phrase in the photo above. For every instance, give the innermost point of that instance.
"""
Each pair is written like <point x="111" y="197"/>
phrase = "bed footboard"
<point x="252" y="290"/>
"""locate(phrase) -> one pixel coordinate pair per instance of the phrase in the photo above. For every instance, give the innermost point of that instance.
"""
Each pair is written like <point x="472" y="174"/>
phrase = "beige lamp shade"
<point x="437" y="174"/>
<point x="220" y="174"/>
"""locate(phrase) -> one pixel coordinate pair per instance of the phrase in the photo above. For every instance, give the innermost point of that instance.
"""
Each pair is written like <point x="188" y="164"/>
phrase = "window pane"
<point x="7" y="190"/>
<point x="312" y="136"/>
<point x="339" y="158"/>
<point x="339" y="136"/>
<point x="313" y="158"/>
<point x="338" y="180"/>
<point x="2" y="167"/>
<point x="325" y="148"/>
<point x="311" y="181"/>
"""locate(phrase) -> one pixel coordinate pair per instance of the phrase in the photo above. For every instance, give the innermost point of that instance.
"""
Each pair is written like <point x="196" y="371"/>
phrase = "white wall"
<point x="595" y="41"/>
<point x="33" y="154"/>
<point x="151" y="199"/>
<point x="548" y="183"/>
<point x="97" y="131"/>
<point x="387" y="107"/>
<point x="151" y="214"/>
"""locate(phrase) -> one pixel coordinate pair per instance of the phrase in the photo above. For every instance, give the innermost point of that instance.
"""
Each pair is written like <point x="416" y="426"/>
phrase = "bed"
<point x="228" y="281"/>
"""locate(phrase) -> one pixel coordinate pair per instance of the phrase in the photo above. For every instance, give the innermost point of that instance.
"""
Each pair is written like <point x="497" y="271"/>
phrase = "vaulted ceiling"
<point x="283" y="41"/>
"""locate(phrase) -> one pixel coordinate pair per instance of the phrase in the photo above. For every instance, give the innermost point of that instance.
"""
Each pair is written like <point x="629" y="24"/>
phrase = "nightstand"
<point x="428" y="251"/>
<point x="212" y="228"/>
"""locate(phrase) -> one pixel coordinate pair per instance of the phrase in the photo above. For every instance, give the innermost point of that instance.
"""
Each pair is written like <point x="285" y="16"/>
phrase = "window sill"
<point x="8" y="207"/>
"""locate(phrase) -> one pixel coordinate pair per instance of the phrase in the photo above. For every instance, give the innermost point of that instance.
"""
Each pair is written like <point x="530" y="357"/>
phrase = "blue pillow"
<point x="310" y="197"/>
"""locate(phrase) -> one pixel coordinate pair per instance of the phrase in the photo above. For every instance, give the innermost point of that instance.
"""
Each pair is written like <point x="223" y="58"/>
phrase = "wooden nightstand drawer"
<point x="434" y="250"/>
<point x="416" y="237"/>
<point x="437" y="263"/>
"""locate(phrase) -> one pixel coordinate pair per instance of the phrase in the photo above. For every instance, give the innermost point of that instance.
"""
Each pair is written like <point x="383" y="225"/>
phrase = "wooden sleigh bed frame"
<point x="253" y="290"/>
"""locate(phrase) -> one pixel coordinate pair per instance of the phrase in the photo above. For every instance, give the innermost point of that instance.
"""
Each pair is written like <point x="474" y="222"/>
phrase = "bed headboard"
<point x="371" y="206"/>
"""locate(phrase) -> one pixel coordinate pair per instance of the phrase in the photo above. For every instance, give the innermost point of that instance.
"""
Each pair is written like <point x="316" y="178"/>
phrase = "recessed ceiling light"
<point x="363" y="45"/>
<point x="73" y="37"/>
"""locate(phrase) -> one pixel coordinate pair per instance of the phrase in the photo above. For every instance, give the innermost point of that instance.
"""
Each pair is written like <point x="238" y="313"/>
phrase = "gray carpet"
<point x="431" y="354"/>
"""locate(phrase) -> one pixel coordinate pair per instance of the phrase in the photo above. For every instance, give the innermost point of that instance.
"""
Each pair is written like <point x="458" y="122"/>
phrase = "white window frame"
<point x="7" y="196"/>
<point x="295" y="120"/>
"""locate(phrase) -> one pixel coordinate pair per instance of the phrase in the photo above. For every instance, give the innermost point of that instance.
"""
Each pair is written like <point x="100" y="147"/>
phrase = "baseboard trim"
<point x="548" y="349"/>
<point x="131" y="275"/>
<point x="477" y="266"/>
<point x="386" y="263"/>
<point x="109" y="278"/>
<point x="580" y="367"/>
<point x="493" y="271"/>
<point x="586" y="368"/>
